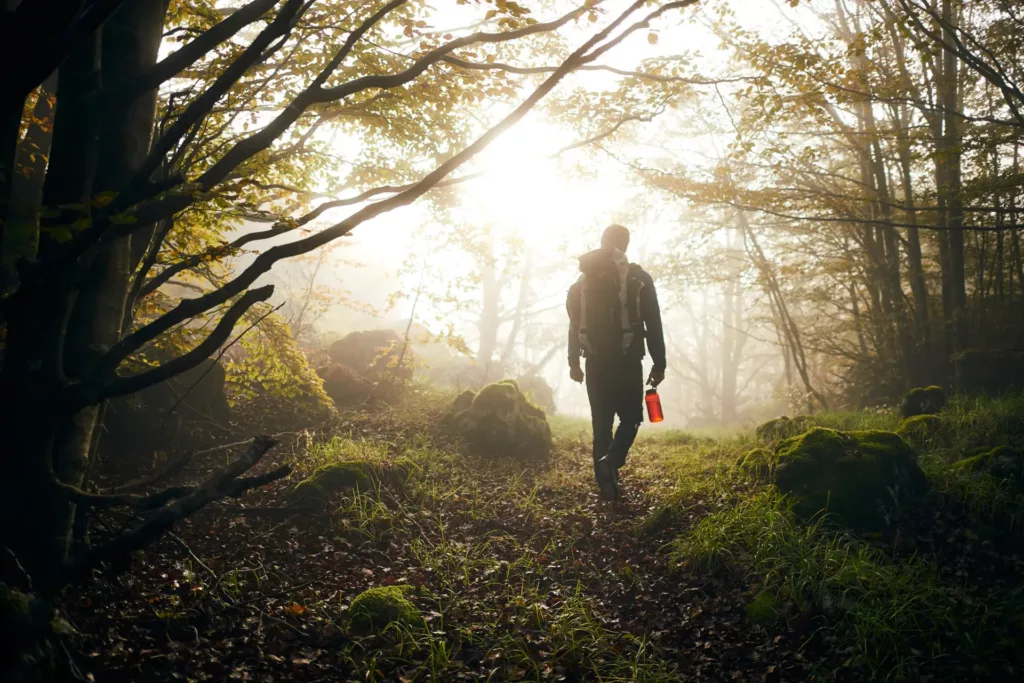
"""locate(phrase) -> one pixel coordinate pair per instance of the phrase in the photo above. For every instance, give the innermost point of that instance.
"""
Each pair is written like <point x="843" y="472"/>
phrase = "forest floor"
<point x="522" y="573"/>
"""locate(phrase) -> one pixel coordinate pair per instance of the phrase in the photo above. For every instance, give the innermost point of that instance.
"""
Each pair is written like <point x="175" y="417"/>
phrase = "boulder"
<point x="861" y="478"/>
<point x="377" y="608"/>
<point x="345" y="386"/>
<point x="923" y="401"/>
<point x="921" y="431"/>
<point x="373" y="354"/>
<point x="499" y="421"/>
<point x="536" y="388"/>
<point x="1001" y="462"/>
<point x="328" y="481"/>
<point x="783" y="427"/>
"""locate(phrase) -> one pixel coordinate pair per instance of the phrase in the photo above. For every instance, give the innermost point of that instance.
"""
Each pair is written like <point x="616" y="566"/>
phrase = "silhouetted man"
<point x="612" y="308"/>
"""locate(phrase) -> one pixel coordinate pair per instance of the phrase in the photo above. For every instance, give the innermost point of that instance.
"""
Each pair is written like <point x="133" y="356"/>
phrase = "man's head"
<point x="615" y="236"/>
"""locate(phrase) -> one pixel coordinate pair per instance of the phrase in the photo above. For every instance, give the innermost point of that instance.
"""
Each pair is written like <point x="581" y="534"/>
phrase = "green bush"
<point x="859" y="477"/>
<point x="377" y="608"/>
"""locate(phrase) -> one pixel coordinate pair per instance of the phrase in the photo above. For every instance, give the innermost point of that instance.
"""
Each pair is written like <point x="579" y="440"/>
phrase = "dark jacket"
<point x="650" y="312"/>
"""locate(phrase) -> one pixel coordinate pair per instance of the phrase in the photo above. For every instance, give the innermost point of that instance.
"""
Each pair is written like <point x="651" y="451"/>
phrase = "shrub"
<point x="923" y="401"/>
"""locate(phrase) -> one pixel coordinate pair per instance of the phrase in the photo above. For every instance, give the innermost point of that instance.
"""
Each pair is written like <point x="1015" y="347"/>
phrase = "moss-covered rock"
<point x="923" y="401"/>
<point x="861" y="478"/>
<point x="783" y="427"/>
<point x="376" y="608"/>
<point x="921" y="431"/>
<point x="342" y="476"/>
<point x="500" y="421"/>
<point x="1001" y="462"/>
<point x="757" y="461"/>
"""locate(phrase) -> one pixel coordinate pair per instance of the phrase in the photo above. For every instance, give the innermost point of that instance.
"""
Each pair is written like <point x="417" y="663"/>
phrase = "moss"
<point x="923" y="401"/>
<point x="922" y="431"/>
<point x="783" y="427"/>
<point x="376" y="608"/>
<point x="332" y="479"/>
<point x="500" y="421"/>
<point x="758" y="461"/>
<point x="763" y="610"/>
<point x="1001" y="462"/>
<point x="861" y="478"/>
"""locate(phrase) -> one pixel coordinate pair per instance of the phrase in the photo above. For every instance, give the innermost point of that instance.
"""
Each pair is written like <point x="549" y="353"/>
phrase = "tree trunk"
<point x="61" y="335"/>
<point x="952" y="153"/>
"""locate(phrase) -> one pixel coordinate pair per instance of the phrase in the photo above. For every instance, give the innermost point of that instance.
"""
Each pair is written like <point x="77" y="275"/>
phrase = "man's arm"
<point x="572" y="307"/>
<point x="651" y="312"/>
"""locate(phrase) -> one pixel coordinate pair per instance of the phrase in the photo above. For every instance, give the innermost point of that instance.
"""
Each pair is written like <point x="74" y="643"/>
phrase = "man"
<point x="612" y="308"/>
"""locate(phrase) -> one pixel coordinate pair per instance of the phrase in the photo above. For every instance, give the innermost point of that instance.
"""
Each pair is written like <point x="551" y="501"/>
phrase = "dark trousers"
<point x="615" y="387"/>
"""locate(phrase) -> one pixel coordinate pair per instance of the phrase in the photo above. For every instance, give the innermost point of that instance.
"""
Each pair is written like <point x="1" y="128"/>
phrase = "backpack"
<point x="609" y="306"/>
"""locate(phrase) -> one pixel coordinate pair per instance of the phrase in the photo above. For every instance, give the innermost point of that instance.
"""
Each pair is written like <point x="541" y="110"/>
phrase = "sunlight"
<point x="529" y="193"/>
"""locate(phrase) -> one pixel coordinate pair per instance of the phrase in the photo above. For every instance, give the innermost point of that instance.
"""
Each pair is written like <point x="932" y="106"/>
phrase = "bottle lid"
<point x="652" y="391"/>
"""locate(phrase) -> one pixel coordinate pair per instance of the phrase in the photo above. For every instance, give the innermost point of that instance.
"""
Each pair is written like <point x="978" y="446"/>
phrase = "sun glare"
<point x="530" y="192"/>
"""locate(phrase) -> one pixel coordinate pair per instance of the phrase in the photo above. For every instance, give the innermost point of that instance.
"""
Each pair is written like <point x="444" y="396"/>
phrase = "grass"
<point x="511" y="564"/>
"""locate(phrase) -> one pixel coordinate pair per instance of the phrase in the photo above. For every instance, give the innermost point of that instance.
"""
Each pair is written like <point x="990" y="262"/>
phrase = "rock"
<point x="373" y="354"/>
<point x="500" y="422"/>
<point x="1001" y="462"/>
<point x="923" y="401"/>
<point x="333" y="479"/>
<point x="328" y="481"/>
<point x="345" y="386"/>
<point x="757" y="461"/>
<point x="861" y="478"/>
<point x="921" y="431"/>
<point x="536" y="388"/>
<point x="783" y="427"/>
<point x="376" y="608"/>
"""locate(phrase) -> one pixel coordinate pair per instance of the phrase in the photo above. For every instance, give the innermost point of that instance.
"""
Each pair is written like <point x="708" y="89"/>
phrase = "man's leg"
<point x="602" y="410"/>
<point x="629" y="404"/>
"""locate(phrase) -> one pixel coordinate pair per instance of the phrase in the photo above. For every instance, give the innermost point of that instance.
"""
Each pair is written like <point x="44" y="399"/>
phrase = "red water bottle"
<point x="653" y="402"/>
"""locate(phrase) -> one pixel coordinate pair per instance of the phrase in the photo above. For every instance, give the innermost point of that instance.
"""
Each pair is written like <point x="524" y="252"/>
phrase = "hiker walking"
<point x="612" y="308"/>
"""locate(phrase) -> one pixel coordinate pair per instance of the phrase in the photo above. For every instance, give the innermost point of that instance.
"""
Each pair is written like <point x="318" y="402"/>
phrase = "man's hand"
<point x="657" y="376"/>
<point x="576" y="374"/>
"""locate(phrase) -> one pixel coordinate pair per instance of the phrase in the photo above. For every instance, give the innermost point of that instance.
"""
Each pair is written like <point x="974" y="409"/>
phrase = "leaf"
<point x="295" y="609"/>
<point x="652" y="38"/>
